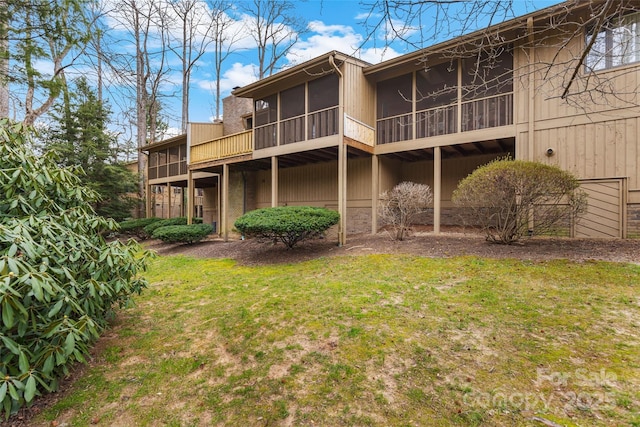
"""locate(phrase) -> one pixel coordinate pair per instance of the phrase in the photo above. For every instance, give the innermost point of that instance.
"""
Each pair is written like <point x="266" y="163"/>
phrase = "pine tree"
<point x="80" y="137"/>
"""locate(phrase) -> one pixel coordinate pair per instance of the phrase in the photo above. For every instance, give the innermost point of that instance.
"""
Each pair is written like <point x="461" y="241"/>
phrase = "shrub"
<point x="288" y="224"/>
<point x="400" y="206"/>
<point x="135" y="227"/>
<point x="60" y="279"/>
<point x="183" y="233"/>
<point x="181" y="220"/>
<point x="511" y="199"/>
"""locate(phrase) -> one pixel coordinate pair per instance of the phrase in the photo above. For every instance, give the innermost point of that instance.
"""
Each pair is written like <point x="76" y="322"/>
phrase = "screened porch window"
<point x="266" y="112"/>
<point x="324" y="96"/>
<point x="436" y="95"/>
<point x="394" y="108"/>
<point x="292" y="115"/>
<point x="617" y="43"/>
<point x="487" y="83"/>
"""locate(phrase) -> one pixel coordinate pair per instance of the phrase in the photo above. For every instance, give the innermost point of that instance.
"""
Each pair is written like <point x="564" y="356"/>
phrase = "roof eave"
<point x="249" y="90"/>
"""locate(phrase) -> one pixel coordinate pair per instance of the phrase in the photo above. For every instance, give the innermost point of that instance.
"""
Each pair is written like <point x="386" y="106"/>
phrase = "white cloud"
<point x="343" y="38"/>
<point x="237" y="75"/>
<point x="378" y="54"/>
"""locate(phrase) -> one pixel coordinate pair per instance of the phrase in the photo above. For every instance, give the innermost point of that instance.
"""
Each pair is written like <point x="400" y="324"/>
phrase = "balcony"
<point x="492" y="111"/>
<point x="222" y="148"/>
<point x="312" y="125"/>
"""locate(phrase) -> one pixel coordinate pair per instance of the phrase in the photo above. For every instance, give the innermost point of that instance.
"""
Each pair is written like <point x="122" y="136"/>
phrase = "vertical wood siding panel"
<point x="309" y="183"/>
<point x="632" y="153"/>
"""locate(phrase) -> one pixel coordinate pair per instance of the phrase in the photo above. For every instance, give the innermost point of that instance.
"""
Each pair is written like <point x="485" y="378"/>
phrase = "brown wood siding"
<point x="390" y="173"/>
<point x="359" y="179"/>
<point x="360" y="107"/>
<point x="593" y="150"/>
<point x="316" y="184"/>
<point x="453" y="171"/>
<point x="202" y="132"/>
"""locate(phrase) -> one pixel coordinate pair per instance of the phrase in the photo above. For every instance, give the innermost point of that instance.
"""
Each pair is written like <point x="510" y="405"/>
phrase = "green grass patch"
<point x="374" y="340"/>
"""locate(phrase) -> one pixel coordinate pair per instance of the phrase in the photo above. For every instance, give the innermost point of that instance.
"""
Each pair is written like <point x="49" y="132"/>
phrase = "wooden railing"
<point x="265" y="136"/>
<point x="323" y="123"/>
<point x="359" y="131"/>
<point x="487" y="112"/>
<point x="292" y="130"/>
<point x="394" y="129"/>
<point x="436" y="121"/>
<point x="221" y="148"/>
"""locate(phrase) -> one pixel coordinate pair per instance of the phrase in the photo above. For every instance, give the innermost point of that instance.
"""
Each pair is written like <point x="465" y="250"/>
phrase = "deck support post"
<point x="375" y="191"/>
<point x="437" y="188"/>
<point x="149" y="200"/>
<point x="342" y="193"/>
<point x="274" y="181"/>
<point x="168" y="197"/>
<point x="225" y="202"/>
<point x="190" y="197"/>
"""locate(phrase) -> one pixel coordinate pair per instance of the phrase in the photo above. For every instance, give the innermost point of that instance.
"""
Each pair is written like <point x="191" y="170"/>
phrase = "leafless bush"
<point x="400" y="206"/>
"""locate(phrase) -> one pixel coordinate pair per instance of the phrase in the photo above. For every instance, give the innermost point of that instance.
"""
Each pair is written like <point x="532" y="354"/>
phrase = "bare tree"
<point x="145" y="22"/>
<point x="224" y="38"/>
<point x="419" y="24"/>
<point x="275" y="27"/>
<point x="194" y="35"/>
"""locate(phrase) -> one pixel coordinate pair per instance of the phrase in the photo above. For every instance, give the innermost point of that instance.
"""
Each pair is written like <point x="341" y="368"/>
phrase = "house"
<point x="336" y="131"/>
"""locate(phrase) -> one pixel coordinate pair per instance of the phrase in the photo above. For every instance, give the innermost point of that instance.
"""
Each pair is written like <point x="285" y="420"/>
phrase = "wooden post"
<point x="342" y="193"/>
<point x="225" y="202"/>
<point x="190" y="197"/>
<point x="437" y="188"/>
<point x="168" y="197"/>
<point x="274" y="181"/>
<point x="375" y="191"/>
<point x="149" y="200"/>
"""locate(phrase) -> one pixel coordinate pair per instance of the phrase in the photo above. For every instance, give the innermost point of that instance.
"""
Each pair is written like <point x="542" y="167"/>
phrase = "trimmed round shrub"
<point x="135" y="227"/>
<point x="183" y="233"/>
<point x="511" y="199"/>
<point x="181" y="220"/>
<point x="288" y="224"/>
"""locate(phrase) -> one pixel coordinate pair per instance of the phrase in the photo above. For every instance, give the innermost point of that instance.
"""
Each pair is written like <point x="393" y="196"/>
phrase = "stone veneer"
<point x="234" y="109"/>
<point x="633" y="221"/>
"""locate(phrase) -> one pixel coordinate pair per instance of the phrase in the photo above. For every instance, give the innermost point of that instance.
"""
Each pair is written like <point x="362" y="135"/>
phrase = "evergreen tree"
<point x="80" y="137"/>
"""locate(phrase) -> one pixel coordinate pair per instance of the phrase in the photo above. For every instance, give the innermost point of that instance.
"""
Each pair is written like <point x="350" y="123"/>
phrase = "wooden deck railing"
<point x="488" y="112"/>
<point x="221" y="148"/>
<point x="436" y="121"/>
<point x="359" y="131"/>
<point x="394" y="129"/>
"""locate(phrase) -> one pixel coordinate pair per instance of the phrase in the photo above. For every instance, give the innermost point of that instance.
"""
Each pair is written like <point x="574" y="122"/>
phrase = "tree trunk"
<point x="141" y="118"/>
<point x="4" y="60"/>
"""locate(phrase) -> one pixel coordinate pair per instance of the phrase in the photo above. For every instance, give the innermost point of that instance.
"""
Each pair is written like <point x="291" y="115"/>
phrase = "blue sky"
<point x="333" y="25"/>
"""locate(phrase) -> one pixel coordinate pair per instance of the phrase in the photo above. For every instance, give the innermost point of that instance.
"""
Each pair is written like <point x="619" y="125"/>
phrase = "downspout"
<point x="342" y="164"/>
<point x="333" y="64"/>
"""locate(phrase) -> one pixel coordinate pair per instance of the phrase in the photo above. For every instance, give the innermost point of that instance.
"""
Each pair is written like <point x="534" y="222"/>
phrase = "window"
<point x="617" y="43"/>
<point x="292" y="101"/>
<point x="266" y="110"/>
<point x="394" y="96"/>
<point x="323" y="92"/>
<point x="487" y="74"/>
<point x="437" y="86"/>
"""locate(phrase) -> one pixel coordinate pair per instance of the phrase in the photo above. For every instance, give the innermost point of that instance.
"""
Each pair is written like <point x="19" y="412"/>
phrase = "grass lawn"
<point x="371" y="340"/>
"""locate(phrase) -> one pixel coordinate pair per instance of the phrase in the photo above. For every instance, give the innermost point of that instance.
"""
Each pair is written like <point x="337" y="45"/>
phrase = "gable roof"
<point x="297" y="74"/>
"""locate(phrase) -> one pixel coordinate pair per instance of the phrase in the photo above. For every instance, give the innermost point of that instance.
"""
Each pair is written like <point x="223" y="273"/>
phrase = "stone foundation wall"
<point x="358" y="220"/>
<point x="633" y="221"/>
